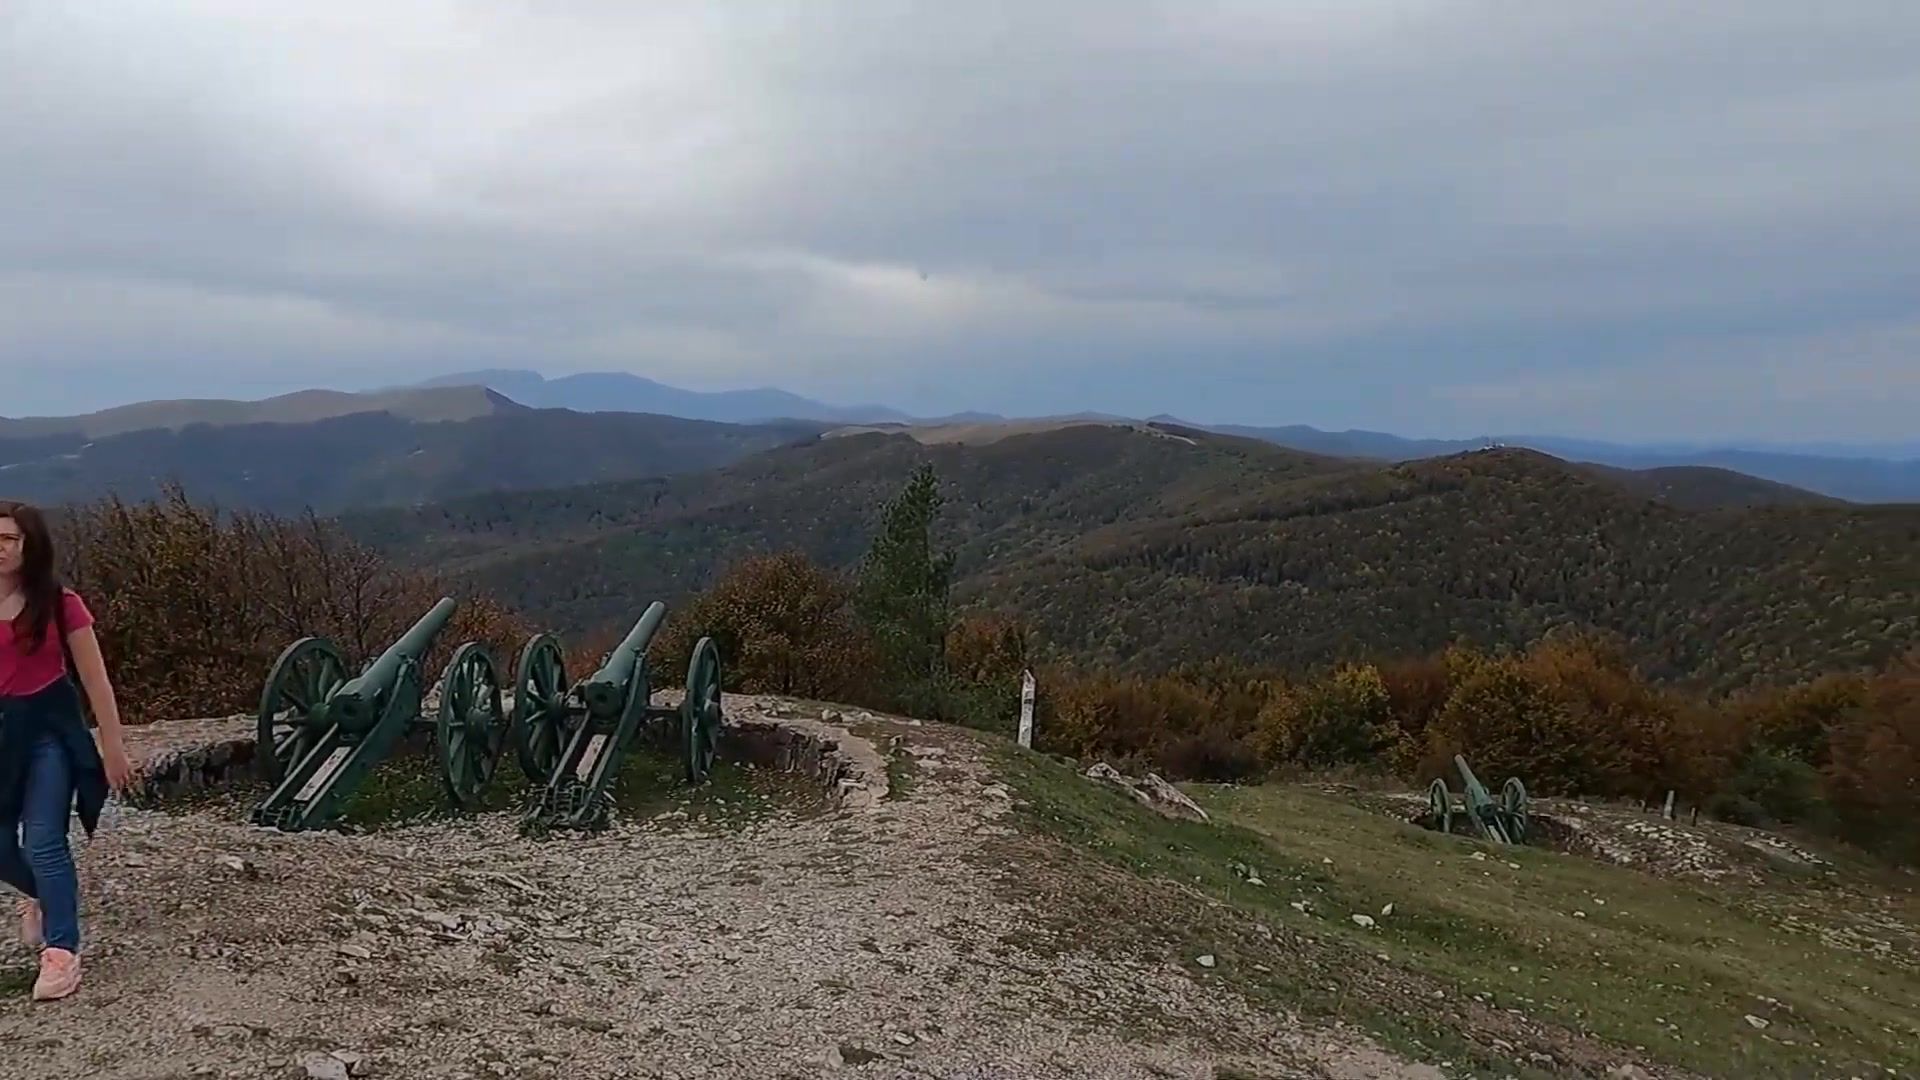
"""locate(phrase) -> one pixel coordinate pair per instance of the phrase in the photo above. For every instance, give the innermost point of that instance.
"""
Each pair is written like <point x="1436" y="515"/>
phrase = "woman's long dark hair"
<point x="37" y="580"/>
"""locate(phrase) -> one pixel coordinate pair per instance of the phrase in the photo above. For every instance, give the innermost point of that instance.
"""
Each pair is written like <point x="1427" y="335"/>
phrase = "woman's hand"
<point x="119" y="769"/>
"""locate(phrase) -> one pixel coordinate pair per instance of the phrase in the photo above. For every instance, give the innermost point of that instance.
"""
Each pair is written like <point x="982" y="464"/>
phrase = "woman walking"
<point x="49" y="765"/>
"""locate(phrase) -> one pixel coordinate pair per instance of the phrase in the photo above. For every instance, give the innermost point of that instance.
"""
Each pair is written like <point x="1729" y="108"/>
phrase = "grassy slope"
<point x="1671" y="967"/>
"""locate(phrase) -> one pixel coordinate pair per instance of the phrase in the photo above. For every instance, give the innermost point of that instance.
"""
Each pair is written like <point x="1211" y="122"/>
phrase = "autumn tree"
<point x="782" y="625"/>
<point x="1342" y="718"/>
<point x="194" y="605"/>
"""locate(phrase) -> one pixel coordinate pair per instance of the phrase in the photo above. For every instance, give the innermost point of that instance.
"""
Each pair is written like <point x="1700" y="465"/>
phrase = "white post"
<point x="1667" y="811"/>
<point x="1026" y="709"/>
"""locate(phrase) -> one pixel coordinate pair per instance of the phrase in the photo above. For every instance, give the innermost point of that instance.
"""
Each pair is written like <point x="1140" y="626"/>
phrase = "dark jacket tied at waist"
<point x="54" y="711"/>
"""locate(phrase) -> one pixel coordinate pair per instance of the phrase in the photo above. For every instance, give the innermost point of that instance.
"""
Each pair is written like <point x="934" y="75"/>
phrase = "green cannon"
<point x="319" y="733"/>
<point x="1502" y="822"/>
<point x="570" y="737"/>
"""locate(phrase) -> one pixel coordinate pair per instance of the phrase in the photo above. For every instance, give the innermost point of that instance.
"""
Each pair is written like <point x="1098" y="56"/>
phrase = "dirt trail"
<point x="893" y="939"/>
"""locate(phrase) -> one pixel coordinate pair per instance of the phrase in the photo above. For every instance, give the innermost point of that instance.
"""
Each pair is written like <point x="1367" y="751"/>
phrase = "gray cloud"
<point x="1437" y="214"/>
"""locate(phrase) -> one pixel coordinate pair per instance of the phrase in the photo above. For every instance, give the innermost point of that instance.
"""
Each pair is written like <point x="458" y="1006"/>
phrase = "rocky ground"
<point x="896" y="933"/>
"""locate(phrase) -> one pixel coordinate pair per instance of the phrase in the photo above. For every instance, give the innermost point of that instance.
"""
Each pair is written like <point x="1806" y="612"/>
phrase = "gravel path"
<point x="874" y="940"/>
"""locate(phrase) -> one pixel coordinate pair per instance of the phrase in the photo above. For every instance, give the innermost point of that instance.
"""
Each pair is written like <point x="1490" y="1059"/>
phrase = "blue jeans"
<point x="45" y="870"/>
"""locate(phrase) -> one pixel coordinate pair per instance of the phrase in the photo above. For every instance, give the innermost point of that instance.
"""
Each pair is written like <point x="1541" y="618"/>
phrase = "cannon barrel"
<point x="605" y="691"/>
<point x="357" y="704"/>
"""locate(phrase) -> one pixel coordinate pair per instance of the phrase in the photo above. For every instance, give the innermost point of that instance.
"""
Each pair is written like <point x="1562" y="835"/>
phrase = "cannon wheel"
<point x="471" y="728"/>
<point x="700" y="712"/>
<point x="291" y="721"/>
<point x="1513" y="803"/>
<point x="539" y="706"/>
<point x="1440" y="806"/>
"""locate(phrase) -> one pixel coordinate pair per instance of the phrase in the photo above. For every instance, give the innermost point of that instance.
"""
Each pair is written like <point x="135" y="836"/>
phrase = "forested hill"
<point x="1153" y="548"/>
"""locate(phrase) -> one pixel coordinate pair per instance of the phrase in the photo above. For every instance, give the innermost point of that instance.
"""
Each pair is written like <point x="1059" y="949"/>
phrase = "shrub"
<point x="1872" y="776"/>
<point x="1508" y="724"/>
<point x="1165" y="723"/>
<point x="1417" y="689"/>
<point x="1622" y="724"/>
<point x="1342" y="718"/>
<point x="1799" y="721"/>
<point x="194" y="606"/>
<point x="1772" y="788"/>
<point x="783" y="626"/>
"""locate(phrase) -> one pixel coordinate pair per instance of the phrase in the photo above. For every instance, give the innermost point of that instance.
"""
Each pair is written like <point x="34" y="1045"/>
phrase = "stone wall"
<point x="179" y="757"/>
<point x="847" y="766"/>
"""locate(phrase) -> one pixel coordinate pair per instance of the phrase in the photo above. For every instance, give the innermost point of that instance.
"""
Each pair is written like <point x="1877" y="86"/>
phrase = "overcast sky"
<point x="1440" y="217"/>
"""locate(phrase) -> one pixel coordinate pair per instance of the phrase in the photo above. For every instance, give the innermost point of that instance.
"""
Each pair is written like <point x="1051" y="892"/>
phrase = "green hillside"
<point x="1156" y="548"/>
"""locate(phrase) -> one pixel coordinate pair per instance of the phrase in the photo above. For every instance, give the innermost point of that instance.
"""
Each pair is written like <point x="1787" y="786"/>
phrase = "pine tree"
<point x="902" y="592"/>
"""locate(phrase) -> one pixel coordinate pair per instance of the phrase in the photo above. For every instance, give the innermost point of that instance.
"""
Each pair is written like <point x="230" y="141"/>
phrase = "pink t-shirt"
<point x="23" y="673"/>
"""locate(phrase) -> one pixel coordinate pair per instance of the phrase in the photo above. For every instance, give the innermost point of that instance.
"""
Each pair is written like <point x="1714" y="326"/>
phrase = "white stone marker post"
<point x="1026" y="709"/>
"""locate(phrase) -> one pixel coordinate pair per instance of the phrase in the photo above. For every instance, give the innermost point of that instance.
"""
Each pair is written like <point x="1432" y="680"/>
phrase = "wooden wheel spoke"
<point x="296" y="691"/>
<point x="540" y="706"/>
<point x="468" y="718"/>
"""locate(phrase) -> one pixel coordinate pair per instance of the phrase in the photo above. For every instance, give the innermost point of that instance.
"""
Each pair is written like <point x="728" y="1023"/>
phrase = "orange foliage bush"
<point x="1872" y="772"/>
<point x="1187" y="729"/>
<point x="783" y="626"/>
<point x="194" y="606"/>
<point x="1342" y="718"/>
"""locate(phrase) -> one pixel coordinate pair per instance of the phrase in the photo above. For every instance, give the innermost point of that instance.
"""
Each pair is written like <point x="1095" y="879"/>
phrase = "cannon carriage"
<point x="319" y="733"/>
<point x="1501" y="821"/>
<point x="570" y="737"/>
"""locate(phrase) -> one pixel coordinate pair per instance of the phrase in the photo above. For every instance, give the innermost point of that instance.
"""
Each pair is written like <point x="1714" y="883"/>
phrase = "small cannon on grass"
<point x="570" y="737"/>
<point x="1503" y="822"/>
<point x="319" y="732"/>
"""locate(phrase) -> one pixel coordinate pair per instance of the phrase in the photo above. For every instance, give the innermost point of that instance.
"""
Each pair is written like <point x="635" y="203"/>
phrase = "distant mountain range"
<point x="609" y="391"/>
<point x="462" y="402"/>
<point x="377" y="458"/>
<point x="72" y="456"/>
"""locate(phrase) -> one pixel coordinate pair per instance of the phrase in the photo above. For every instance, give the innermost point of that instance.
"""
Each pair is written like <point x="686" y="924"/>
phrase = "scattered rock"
<point x="855" y="1055"/>
<point x="1365" y="922"/>
<point x="1386" y="911"/>
<point x="1206" y="961"/>
<point x="319" y="1066"/>
<point x="1757" y="1022"/>
<point x="1153" y="792"/>
<point x="240" y="866"/>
